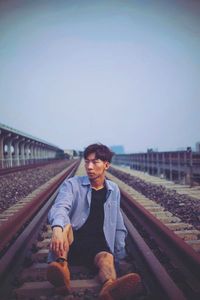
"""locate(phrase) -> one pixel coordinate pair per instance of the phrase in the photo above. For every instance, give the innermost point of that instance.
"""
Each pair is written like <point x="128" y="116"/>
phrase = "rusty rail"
<point x="17" y="221"/>
<point x="164" y="281"/>
<point x="183" y="256"/>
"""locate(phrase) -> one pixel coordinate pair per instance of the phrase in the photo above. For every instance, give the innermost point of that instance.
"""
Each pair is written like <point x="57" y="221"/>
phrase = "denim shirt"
<point x="72" y="206"/>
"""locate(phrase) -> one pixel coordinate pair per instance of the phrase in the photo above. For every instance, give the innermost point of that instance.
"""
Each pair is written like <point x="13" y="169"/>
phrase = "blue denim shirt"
<point x="72" y="206"/>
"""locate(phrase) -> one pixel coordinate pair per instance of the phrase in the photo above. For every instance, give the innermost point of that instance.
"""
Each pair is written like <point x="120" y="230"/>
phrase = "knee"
<point x="104" y="258"/>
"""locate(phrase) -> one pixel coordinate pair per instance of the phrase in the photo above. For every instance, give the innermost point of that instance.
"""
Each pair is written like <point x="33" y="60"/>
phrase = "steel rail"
<point x="165" y="282"/>
<point x="183" y="255"/>
<point x="17" y="251"/>
<point x="15" y="223"/>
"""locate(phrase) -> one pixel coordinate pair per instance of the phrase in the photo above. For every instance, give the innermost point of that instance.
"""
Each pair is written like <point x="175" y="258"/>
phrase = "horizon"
<point x="115" y="72"/>
<point x="110" y="146"/>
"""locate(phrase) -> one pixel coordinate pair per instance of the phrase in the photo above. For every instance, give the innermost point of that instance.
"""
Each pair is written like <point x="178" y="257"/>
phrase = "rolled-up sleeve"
<point x="59" y="212"/>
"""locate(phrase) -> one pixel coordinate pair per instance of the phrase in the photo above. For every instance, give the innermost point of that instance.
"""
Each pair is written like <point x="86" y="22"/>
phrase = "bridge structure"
<point x="18" y="148"/>
<point x="178" y="166"/>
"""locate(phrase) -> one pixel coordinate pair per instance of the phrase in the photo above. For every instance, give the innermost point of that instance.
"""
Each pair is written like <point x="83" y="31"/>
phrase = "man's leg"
<point x="57" y="272"/>
<point x="113" y="288"/>
<point x="105" y="262"/>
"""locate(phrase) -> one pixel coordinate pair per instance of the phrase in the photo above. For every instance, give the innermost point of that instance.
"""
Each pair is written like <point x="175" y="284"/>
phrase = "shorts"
<point x="83" y="253"/>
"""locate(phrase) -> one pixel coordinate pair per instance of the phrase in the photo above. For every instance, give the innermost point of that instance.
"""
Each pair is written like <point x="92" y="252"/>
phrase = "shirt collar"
<point x="86" y="181"/>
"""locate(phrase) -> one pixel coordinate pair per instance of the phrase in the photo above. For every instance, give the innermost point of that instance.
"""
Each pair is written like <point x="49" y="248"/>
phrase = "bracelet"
<point x="57" y="226"/>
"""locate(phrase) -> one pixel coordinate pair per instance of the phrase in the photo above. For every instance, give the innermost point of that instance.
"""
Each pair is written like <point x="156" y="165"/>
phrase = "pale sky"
<point x="116" y="72"/>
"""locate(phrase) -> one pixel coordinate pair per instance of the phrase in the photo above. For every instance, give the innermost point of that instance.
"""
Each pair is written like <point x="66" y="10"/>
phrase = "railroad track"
<point x="184" y="230"/>
<point x="20" y="224"/>
<point x="30" y="282"/>
<point x="178" y="243"/>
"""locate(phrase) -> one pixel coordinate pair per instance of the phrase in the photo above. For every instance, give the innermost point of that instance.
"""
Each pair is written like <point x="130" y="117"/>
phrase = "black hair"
<point x="101" y="151"/>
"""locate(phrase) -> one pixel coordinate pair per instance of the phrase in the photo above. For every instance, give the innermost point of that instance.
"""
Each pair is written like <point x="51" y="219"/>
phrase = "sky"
<point x="118" y="72"/>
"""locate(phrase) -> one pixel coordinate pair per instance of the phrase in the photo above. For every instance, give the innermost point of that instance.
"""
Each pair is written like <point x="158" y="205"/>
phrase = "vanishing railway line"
<point x="169" y="267"/>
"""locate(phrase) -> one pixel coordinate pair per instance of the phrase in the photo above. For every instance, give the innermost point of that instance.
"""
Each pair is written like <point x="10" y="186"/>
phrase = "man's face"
<point x="95" y="168"/>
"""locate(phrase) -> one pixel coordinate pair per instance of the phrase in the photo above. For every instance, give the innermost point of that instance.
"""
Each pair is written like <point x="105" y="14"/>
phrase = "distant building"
<point x="118" y="149"/>
<point x="198" y="147"/>
<point x="69" y="153"/>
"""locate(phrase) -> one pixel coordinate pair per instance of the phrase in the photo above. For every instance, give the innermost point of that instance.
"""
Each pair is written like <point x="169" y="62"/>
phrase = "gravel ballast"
<point x="15" y="186"/>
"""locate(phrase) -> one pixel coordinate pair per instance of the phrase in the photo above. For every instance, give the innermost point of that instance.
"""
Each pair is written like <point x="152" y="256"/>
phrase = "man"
<point x="87" y="225"/>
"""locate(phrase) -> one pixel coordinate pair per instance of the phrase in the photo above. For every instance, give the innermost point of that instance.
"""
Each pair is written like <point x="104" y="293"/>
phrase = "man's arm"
<point x="121" y="232"/>
<point x="59" y="218"/>
<point x="59" y="212"/>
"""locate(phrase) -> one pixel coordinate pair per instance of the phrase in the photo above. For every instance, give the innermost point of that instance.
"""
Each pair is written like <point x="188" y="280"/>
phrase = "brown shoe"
<point x="58" y="274"/>
<point x="125" y="286"/>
